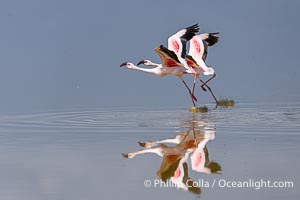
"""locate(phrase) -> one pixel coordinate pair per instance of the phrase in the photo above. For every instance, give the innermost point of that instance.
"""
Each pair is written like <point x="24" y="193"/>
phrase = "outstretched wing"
<point x="196" y="47"/>
<point x="177" y="42"/>
<point x="199" y="45"/>
<point x="191" y="61"/>
<point x="209" y="39"/>
<point x="168" y="57"/>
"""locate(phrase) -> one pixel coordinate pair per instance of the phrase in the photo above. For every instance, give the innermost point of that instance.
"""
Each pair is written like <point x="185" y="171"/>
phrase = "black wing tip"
<point x="212" y="39"/>
<point x="194" y="27"/>
<point x="215" y="33"/>
<point x="191" y="31"/>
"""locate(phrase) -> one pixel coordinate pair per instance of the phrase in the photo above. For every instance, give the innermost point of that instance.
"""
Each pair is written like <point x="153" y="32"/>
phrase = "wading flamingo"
<point x="170" y="66"/>
<point x="197" y="57"/>
<point x="174" y="57"/>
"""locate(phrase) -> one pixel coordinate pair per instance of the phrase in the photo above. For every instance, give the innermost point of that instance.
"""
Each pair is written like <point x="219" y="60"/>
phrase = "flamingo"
<point x="173" y="57"/>
<point x="177" y="44"/>
<point x="171" y="62"/>
<point x="197" y="57"/>
<point x="170" y="66"/>
<point x="174" y="166"/>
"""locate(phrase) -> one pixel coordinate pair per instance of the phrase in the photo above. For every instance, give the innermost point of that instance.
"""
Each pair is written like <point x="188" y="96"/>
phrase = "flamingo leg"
<point x="190" y="92"/>
<point x="211" y="92"/>
<point x="202" y="86"/>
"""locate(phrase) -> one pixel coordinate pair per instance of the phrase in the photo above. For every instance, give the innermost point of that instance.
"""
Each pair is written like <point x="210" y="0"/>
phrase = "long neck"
<point x="156" y="150"/>
<point x="152" y="70"/>
<point x="155" y="64"/>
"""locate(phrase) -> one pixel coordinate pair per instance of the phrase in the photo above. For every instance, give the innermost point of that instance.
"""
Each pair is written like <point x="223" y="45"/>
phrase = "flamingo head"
<point x="128" y="65"/>
<point x="145" y="62"/>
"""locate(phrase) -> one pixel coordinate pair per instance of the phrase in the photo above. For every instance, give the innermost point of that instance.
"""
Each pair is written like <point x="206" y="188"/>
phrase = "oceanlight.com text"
<point x="222" y="183"/>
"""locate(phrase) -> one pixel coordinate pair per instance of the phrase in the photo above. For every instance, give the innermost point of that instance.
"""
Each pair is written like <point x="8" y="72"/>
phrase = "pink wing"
<point x="196" y="47"/>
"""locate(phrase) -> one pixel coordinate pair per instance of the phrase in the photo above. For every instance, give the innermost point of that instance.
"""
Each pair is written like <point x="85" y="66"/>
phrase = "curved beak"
<point x="141" y="62"/>
<point x="123" y="64"/>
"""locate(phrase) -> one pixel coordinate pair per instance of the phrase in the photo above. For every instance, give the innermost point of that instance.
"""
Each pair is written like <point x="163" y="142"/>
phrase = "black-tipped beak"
<point x="141" y="62"/>
<point x="123" y="64"/>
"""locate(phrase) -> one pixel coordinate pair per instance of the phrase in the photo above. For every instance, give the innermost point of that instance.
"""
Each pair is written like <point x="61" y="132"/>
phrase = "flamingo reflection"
<point x="174" y="166"/>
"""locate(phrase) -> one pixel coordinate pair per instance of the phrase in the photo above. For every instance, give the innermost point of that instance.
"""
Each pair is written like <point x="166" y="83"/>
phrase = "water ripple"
<point x="262" y="118"/>
<point x="250" y="117"/>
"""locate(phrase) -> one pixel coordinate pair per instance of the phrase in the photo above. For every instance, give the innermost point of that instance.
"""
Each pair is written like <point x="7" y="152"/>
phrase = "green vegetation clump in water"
<point x="202" y="109"/>
<point x="226" y="103"/>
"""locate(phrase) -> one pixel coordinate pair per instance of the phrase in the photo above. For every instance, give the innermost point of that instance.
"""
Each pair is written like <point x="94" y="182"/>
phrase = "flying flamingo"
<point x="173" y="62"/>
<point x="177" y="44"/>
<point x="170" y="66"/>
<point x="197" y="57"/>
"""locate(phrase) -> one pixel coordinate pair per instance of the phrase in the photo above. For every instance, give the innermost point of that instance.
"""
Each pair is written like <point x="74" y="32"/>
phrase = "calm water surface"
<point x="78" y="154"/>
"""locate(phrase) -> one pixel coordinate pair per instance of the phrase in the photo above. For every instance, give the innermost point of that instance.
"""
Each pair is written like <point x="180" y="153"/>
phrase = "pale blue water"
<point x="77" y="154"/>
